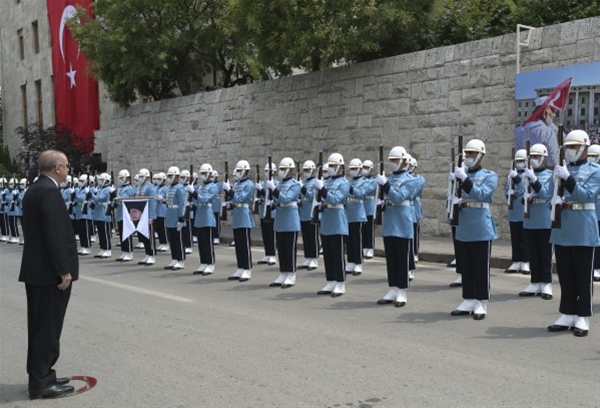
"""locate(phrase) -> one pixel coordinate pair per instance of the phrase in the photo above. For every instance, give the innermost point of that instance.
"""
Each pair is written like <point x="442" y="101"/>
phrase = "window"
<point x="36" y="37"/>
<point x="595" y="111"/>
<point x="583" y="99"/>
<point x="21" y="44"/>
<point x="570" y="101"/>
<point x="38" y="95"/>
<point x="570" y="112"/>
<point x="526" y="104"/>
<point x="525" y="113"/>
<point x="24" y="103"/>
<point x="519" y="114"/>
<point x="582" y="111"/>
<point x="520" y="104"/>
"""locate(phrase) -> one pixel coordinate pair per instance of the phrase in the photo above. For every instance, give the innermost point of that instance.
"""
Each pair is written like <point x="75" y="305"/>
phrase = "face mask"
<point x="155" y="182"/>
<point x="536" y="163"/>
<point x="393" y="167"/>
<point x="353" y="173"/>
<point x="81" y="184"/>
<point x="469" y="162"/>
<point x="282" y="174"/>
<point x="571" y="155"/>
<point x="169" y="180"/>
<point x="520" y="165"/>
<point x="306" y="174"/>
<point x="365" y="172"/>
<point x="237" y="176"/>
<point x="595" y="159"/>
<point x="120" y="182"/>
<point x="63" y="184"/>
<point x="202" y="178"/>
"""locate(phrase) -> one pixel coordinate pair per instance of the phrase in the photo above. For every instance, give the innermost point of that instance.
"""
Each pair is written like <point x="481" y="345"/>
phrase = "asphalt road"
<point x="156" y="338"/>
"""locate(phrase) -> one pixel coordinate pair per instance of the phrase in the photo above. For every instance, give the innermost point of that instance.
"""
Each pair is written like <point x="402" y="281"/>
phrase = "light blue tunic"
<point x="539" y="212"/>
<point x="371" y="190"/>
<point x="100" y="198"/>
<point x="477" y="224"/>
<point x="204" y="201"/>
<point x="399" y="213"/>
<point x="307" y="197"/>
<point x="333" y="217"/>
<point x="516" y="214"/>
<point x="175" y="205"/>
<point x="355" y="207"/>
<point x="161" y="205"/>
<point x="288" y="217"/>
<point x="243" y="194"/>
<point x="216" y="205"/>
<point x="125" y="191"/>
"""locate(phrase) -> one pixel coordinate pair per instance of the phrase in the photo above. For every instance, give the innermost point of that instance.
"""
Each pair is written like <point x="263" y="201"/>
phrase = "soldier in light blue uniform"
<point x="310" y="231"/>
<point x="68" y="192"/>
<point x="267" y="215"/>
<point x="82" y="220"/>
<point x="13" y="210"/>
<point x="3" y="210"/>
<point x="515" y="187"/>
<point x="594" y="157"/>
<point x="574" y="242"/>
<point x="175" y="203"/>
<point x="400" y="190"/>
<point x="537" y="226"/>
<point x="418" y="212"/>
<point x="124" y="190"/>
<point x="475" y="230"/>
<point x="146" y="188"/>
<point x="161" y="211"/>
<point x="21" y="189"/>
<point x="240" y="198"/>
<point x="334" y="224"/>
<point x="99" y="201"/>
<point x="287" y="221"/>
<point x="368" y="230"/>
<point x="185" y="179"/>
<point x="357" y="216"/>
<point x="216" y="208"/>
<point x="205" y="221"/>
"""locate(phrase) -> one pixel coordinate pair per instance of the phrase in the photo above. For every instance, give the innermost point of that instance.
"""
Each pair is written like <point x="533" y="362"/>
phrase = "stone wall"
<point x="421" y="101"/>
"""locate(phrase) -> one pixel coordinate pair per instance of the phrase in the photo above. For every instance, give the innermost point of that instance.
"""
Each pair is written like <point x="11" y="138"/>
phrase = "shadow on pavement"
<point x="13" y="393"/>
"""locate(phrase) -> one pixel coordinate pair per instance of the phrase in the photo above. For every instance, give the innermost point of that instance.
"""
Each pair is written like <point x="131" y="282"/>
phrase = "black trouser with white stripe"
<point x="205" y="245"/>
<point x="417" y="238"/>
<point x="368" y="233"/>
<point x="397" y="254"/>
<point x="454" y="244"/>
<point x="161" y="230"/>
<point x="186" y="234"/>
<point x="286" y="249"/>
<point x="596" y="253"/>
<point x="518" y="241"/>
<point x="473" y="262"/>
<point x="333" y="256"/>
<point x="176" y="244"/>
<point x="149" y="243"/>
<point x="83" y="232"/>
<point x="12" y="225"/>
<point x="540" y="254"/>
<point x="310" y="239"/>
<point x="354" y="243"/>
<point x="104" y="234"/>
<point x="3" y="224"/>
<point x="217" y="229"/>
<point x="268" y="236"/>
<point x="243" y="254"/>
<point x="575" y="270"/>
<point x="126" y="245"/>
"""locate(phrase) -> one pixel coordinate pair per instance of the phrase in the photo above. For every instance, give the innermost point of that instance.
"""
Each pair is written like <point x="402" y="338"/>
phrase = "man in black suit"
<point x="48" y="267"/>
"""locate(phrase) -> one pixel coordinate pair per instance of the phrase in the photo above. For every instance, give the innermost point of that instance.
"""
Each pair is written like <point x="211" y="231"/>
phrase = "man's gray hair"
<point x="49" y="159"/>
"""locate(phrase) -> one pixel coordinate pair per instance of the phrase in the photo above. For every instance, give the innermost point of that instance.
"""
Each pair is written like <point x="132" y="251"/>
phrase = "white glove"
<point x="86" y="190"/>
<point x="556" y="200"/>
<point x="258" y="186"/>
<point x="268" y="203"/>
<point x="160" y="197"/>
<point x="530" y="174"/>
<point x="451" y="176"/>
<point x="111" y="189"/>
<point x="510" y="192"/>
<point x="225" y="204"/>
<point x="455" y="199"/>
<point x="318" y="184"/>
<point x="226" y="186"/>
<point x="379" y="202"/>
<point x="271" y="185"/>
<point x="512" y="173"/>
<point x="71" y="190"/>
<point x="381" y="179"/>
<point x="189" y="188"/>
<point x="179" y="226"/>
<point x="561" y="172"/>
<point x="460" y="173"/>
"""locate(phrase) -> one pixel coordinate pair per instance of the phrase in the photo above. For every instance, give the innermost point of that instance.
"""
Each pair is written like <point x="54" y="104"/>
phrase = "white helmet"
<point x="12" y="182"/>
<point x="75" y="180"/>
<point x="398" y="152"/>
<point x="242" y="165"/>
<point x="577" y="137"/>
<point x="158" y="178"/>
<point x="273" y="168"/>
<point x="325" y="168"/>
<point x="185" y="176"/>
<point x="82" y="180"/>
<point x="287" y="163"/>
<point x="2" y="181"/>
<point x="308" y="169"/>
<point x="335" y="159"/>
<point x="143" y="174"/>
<point x="69" y="179"/>
<point x="475" y="145"/>
<point x="355" y="164"/>
<point x="594" y="150"/>
<point x="414" y="162"/>
<point x="521" y="154"/>
<point x="23" y="182"/>
<point x="539" y="149"/>
<point x="215" y="174"/>
<point x="206" y="171"/>
<point x="173" y="171"/>
<point x="123" y="174"/>
<point x="367" y="164"/>
<point x="104" y="178"/>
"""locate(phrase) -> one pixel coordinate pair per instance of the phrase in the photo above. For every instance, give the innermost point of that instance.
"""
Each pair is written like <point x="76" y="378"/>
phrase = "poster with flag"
<point x="557" y="100"/>
<point x="135" y="217"/>
<point x="75" y="92"/>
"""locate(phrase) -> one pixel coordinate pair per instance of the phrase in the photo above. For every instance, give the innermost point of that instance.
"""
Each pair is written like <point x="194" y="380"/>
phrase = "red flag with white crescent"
<point x="75" y="93"/>
<point x="557" y="100"/>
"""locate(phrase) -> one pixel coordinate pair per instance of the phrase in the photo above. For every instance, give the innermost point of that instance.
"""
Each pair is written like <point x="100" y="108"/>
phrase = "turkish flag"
<point x="75" y="93"/>
<point x="557" y="100"/>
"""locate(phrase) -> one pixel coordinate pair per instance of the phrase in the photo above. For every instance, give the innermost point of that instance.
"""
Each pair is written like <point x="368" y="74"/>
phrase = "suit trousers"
<point x="46" y="308"/>
<point x="310" y="239"/>
<point x="354" y="243"/>
<point x="205" y="245"/>
<point x="473" y="262"/>
<point x="12" y="225"/>
<point x="268" y="236"/>
<point x="397" y="254"/>
<point x="176" y="244"/>
<point x="243" y="254"/>
<point x="286" y="250"/>
<point x="368" y="233"/>
<point x="540" y="254"/>
<point x="575" y="270"/>
<point x="333" y="257"/>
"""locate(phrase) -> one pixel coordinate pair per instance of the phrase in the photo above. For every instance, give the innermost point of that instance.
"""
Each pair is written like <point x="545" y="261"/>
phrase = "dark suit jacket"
<point x="50" y="247"/>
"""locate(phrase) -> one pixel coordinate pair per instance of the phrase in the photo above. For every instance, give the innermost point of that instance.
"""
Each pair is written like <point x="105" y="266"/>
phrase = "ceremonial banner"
<point x="75" y="93"/>
<point x="135" y="218"/>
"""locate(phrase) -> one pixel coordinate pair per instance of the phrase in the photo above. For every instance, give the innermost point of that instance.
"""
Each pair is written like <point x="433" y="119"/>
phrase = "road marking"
<point x="136" y="289"/>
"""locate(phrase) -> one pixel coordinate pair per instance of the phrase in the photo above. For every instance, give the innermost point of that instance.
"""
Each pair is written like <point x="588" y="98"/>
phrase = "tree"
<point x="540" y="13"/>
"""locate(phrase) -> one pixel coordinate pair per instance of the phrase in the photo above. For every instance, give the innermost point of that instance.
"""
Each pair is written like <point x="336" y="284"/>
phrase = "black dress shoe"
<point x="62" y="381"/>
<point x="399" y="304"/>
<point x="197" y="273"/>
<point x="580" y="332"/>
<point x="286" y="286"/>
<point x="525" y="272"/>
<point x="275" y="284"/>
<point x="272" y="263"/>
<point x="527" y="294"/>
<point x="336" y="294"/>
<point x="261" y="262"/>
<point x="243" y="279"/>
<point x="479" y="316"/>
<point x="596" y="279"/>
<point x="324" y="292"/>
<point x="234" y="278"/>
<point x="511" y="271"/>
<point x="141" y="263"/>
<point x="455" y="285"/>
<point x="384" y="302"/>
<point x="119" y="260"/>
<point x="546" y="296"/>
<point x="356" y="273"/>
<point x="460" y="313"/>
<point x="555" y="328"/>
<point x="168" y="267"/>
<point x="451" y="265"/>
<point x="302" y="267"/>
<point x="311" y="268"/>
<point x="52" y="392"/>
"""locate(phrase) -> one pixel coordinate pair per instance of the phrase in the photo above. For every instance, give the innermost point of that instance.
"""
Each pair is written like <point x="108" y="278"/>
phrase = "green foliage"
<point x="539" y="13"/>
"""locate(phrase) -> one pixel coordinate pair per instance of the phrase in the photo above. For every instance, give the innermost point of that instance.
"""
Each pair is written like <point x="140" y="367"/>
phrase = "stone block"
<point x="365" y="121"/>
<point x="384" y="90"/>
<point x="470" y="96"/>
<point x="569" y="32"/>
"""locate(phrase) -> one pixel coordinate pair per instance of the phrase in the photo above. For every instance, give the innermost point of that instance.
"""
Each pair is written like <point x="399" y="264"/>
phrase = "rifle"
<point x="511" y="184"/>
<point x="226" y="179"/>
<point x="111" y="203"/>
<point x="186" y="213"/>
<point x="379" y="191"/>
<point x="12" y="201"/>
<point x="457" y="185"/>
<point x="526" y="184"/>
<point x="450" y="191"/>
<point x="268" y="194"/>
<point x="317" y="197"/>
<point x="72" y="195"/>
<point x="559" y="187"/>
<point x="256" y="203"/>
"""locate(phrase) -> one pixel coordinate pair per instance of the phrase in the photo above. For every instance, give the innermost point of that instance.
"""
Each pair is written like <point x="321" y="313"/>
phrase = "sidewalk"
<point x="432" y="249"/>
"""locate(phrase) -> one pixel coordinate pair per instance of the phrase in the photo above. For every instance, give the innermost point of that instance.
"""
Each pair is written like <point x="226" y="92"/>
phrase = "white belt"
<point x="354" y="200"/>
<point x="172" y="206"/>
<point x="241" y="205"/>
<point x="291" y="204"/>
<point x="538" y="201"/>
<point x="473" y="204"/>
<point x="335" y="206"/>
<point x="404" y="203"/>
<point x="370" y="197"/>
<point x="579" y="206"/>
<point x="205" y="204"/>
<point x="306" y="199"/>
